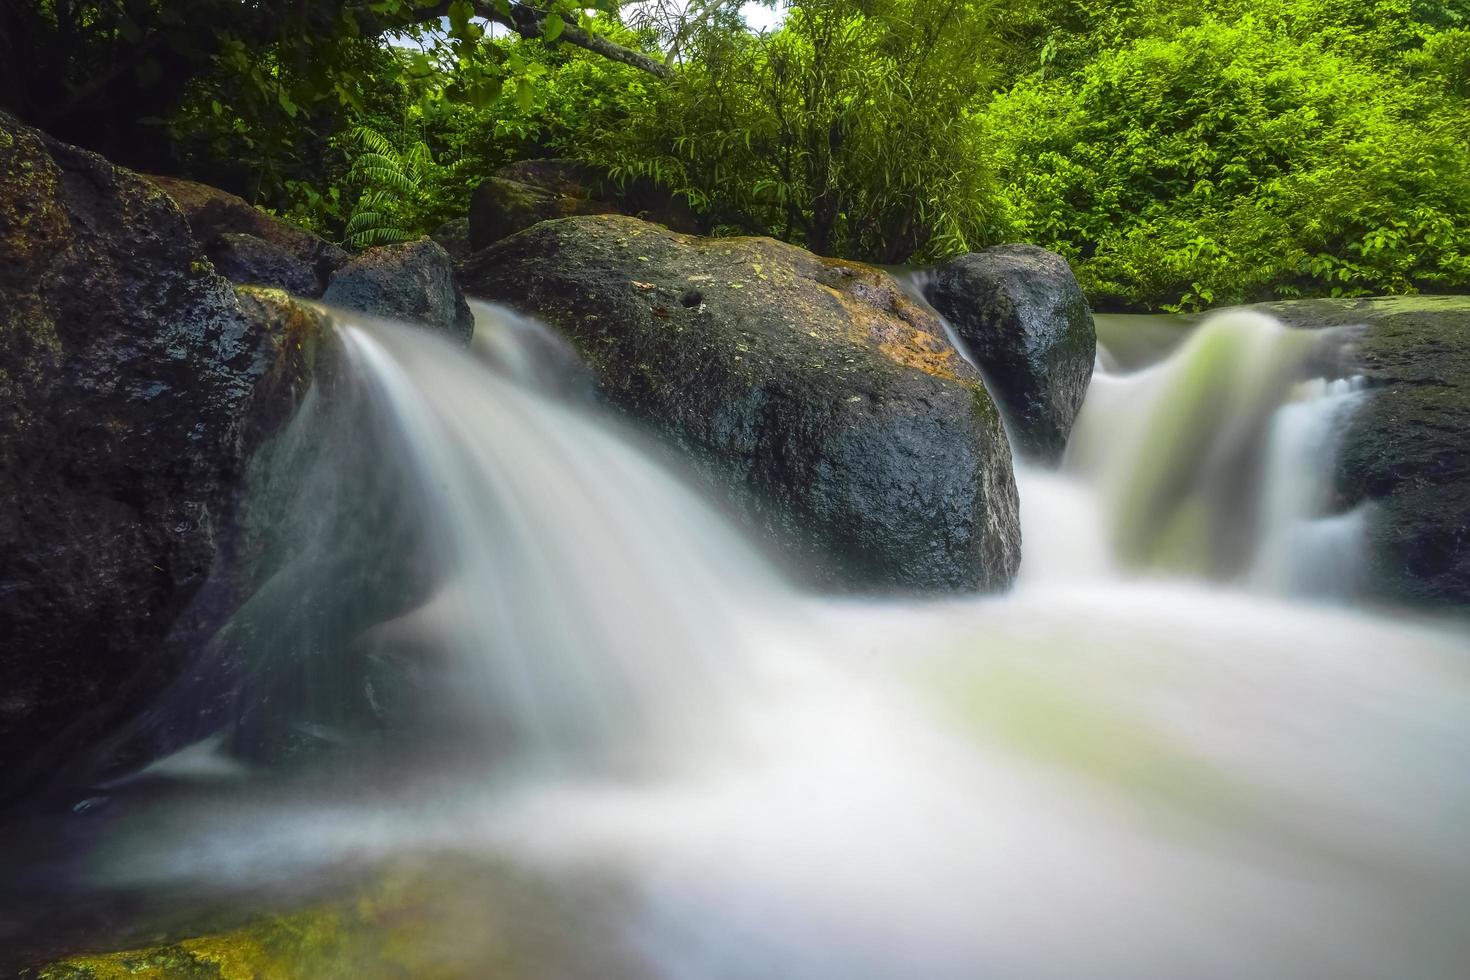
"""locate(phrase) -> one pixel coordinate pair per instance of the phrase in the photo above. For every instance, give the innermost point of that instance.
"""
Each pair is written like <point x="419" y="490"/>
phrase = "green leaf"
<point x="551" y="27"/>
<point x="460" y="12"/>
<point x="484" y="92"/>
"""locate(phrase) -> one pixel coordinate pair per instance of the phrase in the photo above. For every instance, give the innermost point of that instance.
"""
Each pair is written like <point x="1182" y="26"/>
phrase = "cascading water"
<point x="1144" y="762"/>
<point x="558" y="548"/>
<point x="1216" y="461"/>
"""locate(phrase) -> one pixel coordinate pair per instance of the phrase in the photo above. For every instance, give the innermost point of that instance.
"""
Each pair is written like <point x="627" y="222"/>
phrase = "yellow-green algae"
<point x="1066" y="721"/>
<point x="469" y="920"/>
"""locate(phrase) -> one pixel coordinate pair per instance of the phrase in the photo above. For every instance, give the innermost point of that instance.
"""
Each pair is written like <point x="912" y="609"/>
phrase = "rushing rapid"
<point x="1175" y="749"/>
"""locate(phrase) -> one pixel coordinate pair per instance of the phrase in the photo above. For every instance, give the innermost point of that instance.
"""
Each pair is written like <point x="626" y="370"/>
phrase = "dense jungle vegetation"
<point x="1180" y="155"/>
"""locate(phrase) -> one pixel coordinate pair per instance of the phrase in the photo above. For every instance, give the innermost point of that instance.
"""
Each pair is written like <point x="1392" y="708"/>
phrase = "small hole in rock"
<point x="692" y="298"/>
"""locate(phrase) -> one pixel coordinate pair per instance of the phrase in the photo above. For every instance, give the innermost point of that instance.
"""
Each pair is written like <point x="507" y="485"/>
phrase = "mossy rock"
<point x="469" y="920"/>
<point x="501" y="207"/>
<point x="412" y="281"/>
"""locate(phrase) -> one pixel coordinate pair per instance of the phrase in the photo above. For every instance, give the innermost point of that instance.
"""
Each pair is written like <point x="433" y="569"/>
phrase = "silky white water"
<point x="1169" y="752"/>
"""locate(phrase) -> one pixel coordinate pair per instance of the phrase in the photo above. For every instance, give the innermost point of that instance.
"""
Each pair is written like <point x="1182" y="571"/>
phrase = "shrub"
<point x="1231" y="163"/>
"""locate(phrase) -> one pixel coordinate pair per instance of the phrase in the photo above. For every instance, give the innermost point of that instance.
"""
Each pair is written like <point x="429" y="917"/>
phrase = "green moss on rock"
<point x="472" y="920"/>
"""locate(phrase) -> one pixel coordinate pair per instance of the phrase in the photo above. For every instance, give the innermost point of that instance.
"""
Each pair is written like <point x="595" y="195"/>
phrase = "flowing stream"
<point x="1178" y="748"/>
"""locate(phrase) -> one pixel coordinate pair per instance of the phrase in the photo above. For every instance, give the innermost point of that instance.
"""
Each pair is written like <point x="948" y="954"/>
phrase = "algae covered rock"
<point x="1021" y="315"/>
<point x="213" y="213"/>
<point x="135" y="384"/>
<point x="414" y="281"/>
<point x="849" y="429"/>
<point x="470" y="920"/>
<point x="1406" y="453"/>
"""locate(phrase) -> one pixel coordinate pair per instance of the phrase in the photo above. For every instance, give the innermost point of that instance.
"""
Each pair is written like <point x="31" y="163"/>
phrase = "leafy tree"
<point x="104" y="73"/>
<point x="850" y="129"/>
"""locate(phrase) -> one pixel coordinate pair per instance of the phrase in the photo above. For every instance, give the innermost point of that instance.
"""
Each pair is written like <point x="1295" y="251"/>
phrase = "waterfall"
<point x="1149" y="760"/>
<point x="1216" y="461"/>
<point x="584" y="593"/>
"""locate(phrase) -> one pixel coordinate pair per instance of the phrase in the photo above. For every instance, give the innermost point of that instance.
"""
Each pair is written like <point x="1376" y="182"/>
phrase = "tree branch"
<point x="694" y="20"/>
<point x="529" y="22"/>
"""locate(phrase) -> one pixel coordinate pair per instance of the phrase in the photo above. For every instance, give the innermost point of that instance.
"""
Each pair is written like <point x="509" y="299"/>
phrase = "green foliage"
<point x="1229" y="161"/>
<point x="848" y="130"/>
<point x="391" y="189"/>
<point x="1180" y="155"/>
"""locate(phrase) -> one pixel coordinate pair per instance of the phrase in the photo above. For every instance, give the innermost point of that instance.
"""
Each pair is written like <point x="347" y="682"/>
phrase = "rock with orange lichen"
<point x="831" y="403"/>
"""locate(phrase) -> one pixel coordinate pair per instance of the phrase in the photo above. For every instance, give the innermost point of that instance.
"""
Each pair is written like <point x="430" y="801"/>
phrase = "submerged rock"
<point x="292" y="252"/>
<point x="1406" y="453"/>
<point x="414" y="281"/>
<point x="851" y="430"/>
<point x="135" y="384"/>
<point x="1020" y="313"/>
<point x="465" y="917"/>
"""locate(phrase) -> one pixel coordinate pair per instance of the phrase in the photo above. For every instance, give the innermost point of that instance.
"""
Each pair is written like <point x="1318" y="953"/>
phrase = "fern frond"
<point x="374" y="141"/>
<point x="394" y="180"/>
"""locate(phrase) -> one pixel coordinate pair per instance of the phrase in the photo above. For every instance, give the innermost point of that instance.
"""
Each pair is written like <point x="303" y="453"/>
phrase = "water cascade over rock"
<point x="832" y="405"/>
<point x="621" y="710"/>
<point x="423" y="659"/>
<point x="1406" y="455"/>
<point x="1199" y="459"/>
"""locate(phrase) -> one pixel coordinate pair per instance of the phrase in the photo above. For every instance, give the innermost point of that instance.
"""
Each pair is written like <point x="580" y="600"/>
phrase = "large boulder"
<point x="830" y="402"/>
<point x="281" y="255"/>
<point x="1406" y="453"/>
<point x="1022" y="317"/>
<point x="413" y="281"/>
<point x="135" y="383"/>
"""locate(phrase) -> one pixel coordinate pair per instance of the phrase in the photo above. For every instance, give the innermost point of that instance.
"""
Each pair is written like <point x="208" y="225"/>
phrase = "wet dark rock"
<point x="520" y="194"/>
<point x="136" y="384"/>
<point x="502" y="207"/>
<point x="566" y="178"/>
<point x="1022" y="317"/>
<point x="454" y="237"/>
<point x="414" y="281"/>
<point x="252" y="261"/>
<point x="1407" y="451"/>
<point x="829" y="402"/>
<point x="213" y="213"/>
